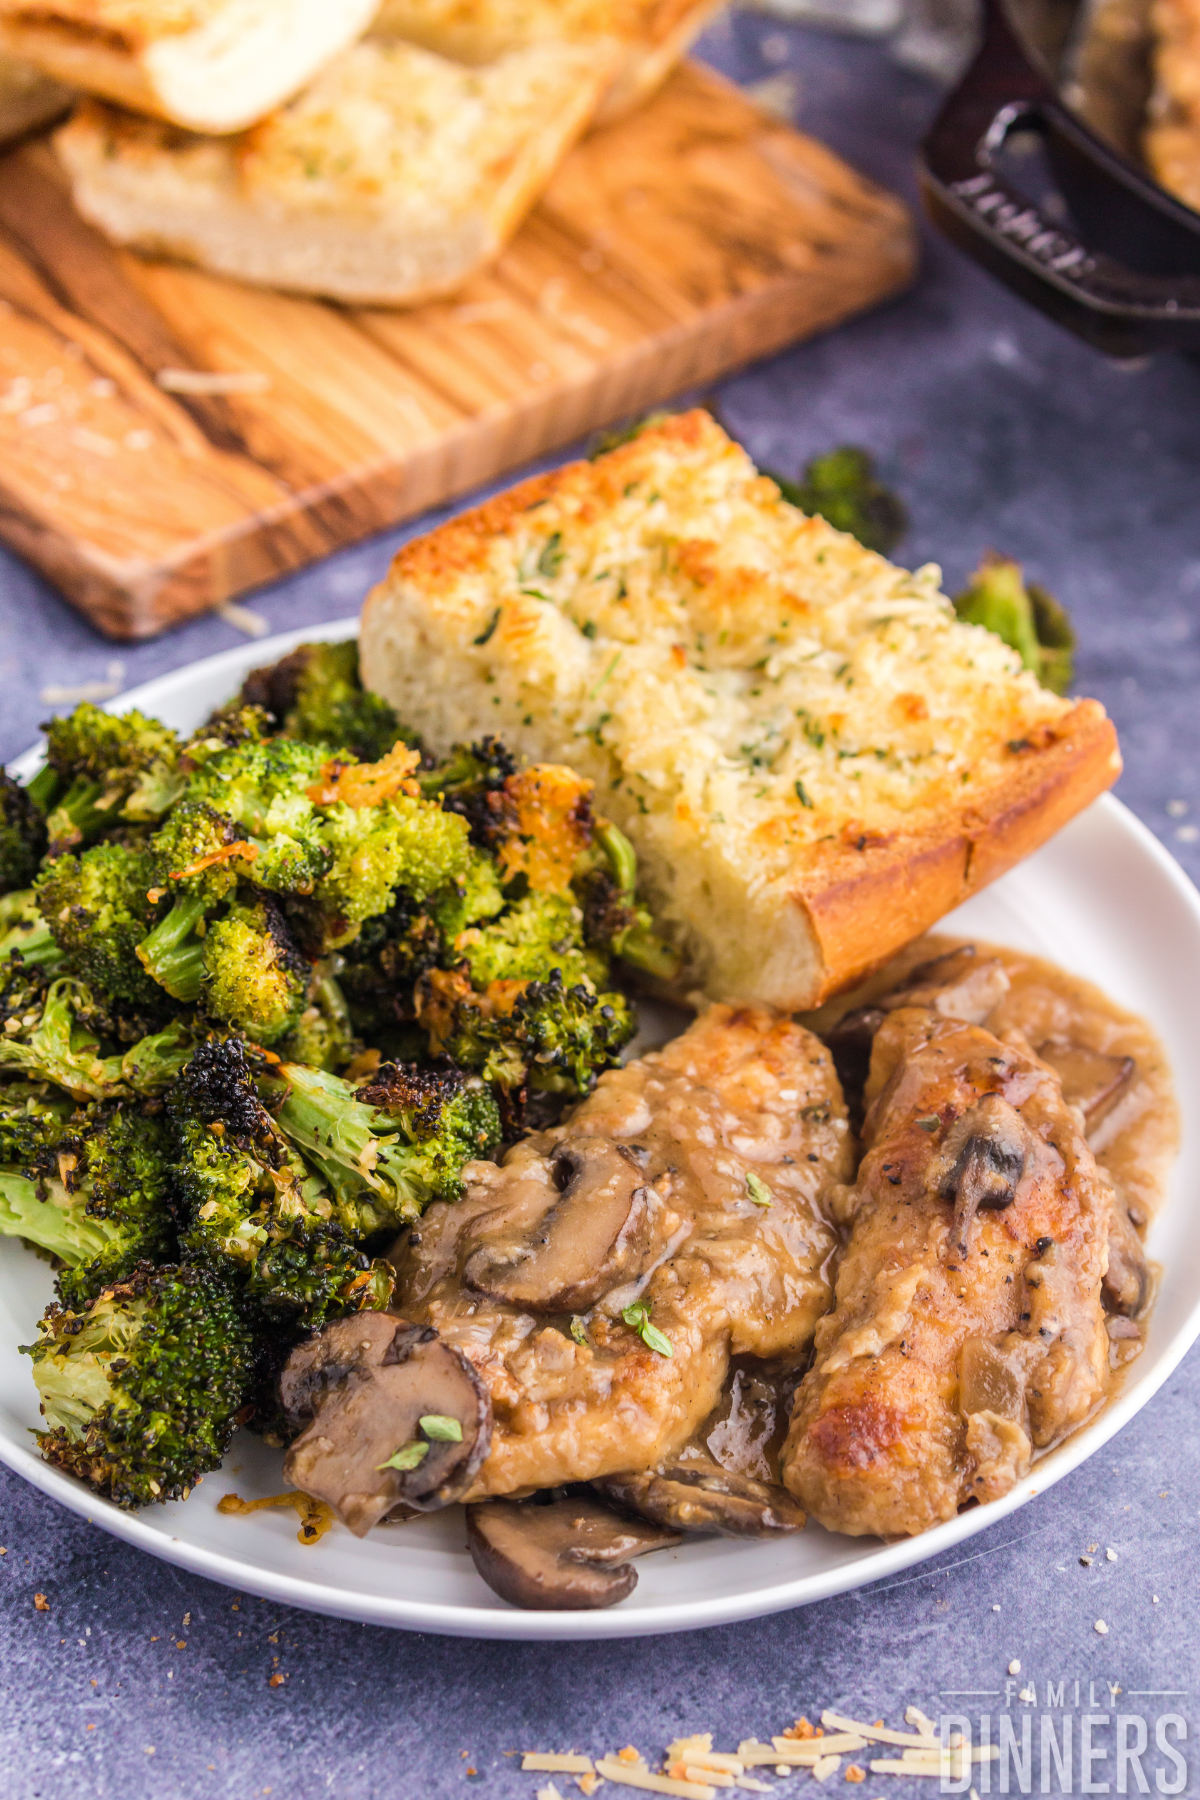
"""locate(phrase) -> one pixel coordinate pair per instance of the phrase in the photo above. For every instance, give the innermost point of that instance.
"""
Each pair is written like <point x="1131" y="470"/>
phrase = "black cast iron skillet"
<point x="1124" y="272"/>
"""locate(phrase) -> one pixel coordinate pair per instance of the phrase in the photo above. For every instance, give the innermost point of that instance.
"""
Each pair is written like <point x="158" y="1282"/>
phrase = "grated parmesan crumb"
<point x="212" y="381"/>
<point x="1101" y="1627"/>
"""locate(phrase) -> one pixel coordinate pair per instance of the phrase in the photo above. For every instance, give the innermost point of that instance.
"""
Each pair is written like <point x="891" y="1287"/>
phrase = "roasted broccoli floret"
<point x="251" y="1205"/>
<point x="315" y="694"/>
<point x="336" y="838"/>
<point x="92" y="1189"/>
<point x="58" y="1031"/>
<point x="534" y="935"/>
<point x="843" y="488"/>
<point x="471" y="782"/>
<point x="101" y="768"/>
<point x="23" y="837"/>
<point x="262" y="786"/>
<point x="403" y="843"/>
<point x="387" y="1150"/>
<point x="255" y="978"/>
<point x="1030" y="620"/>
<point x="225" y="947"/>
<point x="540" y="1035"/>
<point x="97" y="911"/>
<point x="196" y="857"/>
<point x="141" y="1390"/>
<point x="547" y="896"/>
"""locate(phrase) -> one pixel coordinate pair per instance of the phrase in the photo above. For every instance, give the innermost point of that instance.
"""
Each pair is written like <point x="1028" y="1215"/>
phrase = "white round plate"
<point x="1103" y="899"/>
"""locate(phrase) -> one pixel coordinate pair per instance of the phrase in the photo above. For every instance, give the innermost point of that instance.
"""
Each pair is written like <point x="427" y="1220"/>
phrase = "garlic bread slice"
<point x="391" y="179"/>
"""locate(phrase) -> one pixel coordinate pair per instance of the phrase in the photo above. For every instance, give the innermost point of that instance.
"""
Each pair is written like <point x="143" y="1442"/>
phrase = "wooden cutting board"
<point x="670" y="248"/>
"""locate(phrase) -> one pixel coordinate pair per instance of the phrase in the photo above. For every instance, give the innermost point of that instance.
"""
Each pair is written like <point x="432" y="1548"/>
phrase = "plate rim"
<point x="452" y="1619"/>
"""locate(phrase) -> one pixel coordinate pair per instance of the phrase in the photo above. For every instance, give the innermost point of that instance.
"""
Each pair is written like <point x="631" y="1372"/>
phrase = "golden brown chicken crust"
<point x="937" y="1373"/>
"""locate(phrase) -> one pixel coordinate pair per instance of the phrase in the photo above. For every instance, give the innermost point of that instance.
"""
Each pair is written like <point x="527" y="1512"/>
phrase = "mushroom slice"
<point x="602" y="1226"/>
<point x="981" y="1164"/>
<point x="958" y="984"/>
<point x="702" y="1496"/>
<point x="393" y="1416"/>
<point x="1091" y="1079"/>
<point x="1126" y="1283"/>
<point x="569" y="1556"/>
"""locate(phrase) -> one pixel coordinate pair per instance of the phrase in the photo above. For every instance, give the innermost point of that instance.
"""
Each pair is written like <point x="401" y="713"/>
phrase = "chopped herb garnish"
<point x="758" y="1190"/>
<point x="553" y="556"/>
<point x="442" y="1428"/>
<point x="579" y="1330"/>
<point x="637" y="1317"/>
<point x="488" y="629"/>
<point x="931" y="1123"/>
<point x="612" y="665"/>
<point x="589" y="630"/>
<point x="802" y="795"/>
<point x="537" y="594"/>
<point x="408" y="1456"/>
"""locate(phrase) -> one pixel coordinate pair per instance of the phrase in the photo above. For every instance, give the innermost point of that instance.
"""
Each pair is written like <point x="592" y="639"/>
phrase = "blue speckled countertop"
<point x="142" y="1680"/>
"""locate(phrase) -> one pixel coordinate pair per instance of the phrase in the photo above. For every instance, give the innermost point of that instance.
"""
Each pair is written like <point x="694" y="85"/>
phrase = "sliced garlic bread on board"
<point x="390" y="180"/>
<point x="813" y="757"/>
<point x="653" y="34"/>
<point x="207" y="65"/>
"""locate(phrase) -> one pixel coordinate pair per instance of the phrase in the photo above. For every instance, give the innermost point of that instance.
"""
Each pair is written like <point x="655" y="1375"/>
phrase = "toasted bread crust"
<point x="863" y="906"/>
<point x="787" y="859"/>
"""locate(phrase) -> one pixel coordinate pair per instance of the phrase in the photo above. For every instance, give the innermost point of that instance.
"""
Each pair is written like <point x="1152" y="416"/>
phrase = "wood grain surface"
<point x="670" y="248"/>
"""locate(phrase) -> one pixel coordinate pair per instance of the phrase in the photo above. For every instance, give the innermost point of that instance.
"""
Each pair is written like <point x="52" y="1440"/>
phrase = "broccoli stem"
<point x="76" y="819"/>
<point x="642" y="949"/>
<point x="24" y="930"/>
<point x="172" y="955"/>
<point x="44" y="787"/>
<point x="622" y="857"/>
<point x="65" y="1231"/>
<point x="639" y="946"/>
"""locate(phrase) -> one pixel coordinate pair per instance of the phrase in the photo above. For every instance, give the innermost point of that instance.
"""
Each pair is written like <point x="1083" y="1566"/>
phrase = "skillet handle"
<point x="1113" y="304"/>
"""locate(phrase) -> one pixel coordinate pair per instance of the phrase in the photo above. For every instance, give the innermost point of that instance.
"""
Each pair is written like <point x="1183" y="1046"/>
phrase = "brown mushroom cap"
<point x="362" y="1387"/>
<point x="981" y="1164"/>
<point x="702" y="1496"/>
<point x="601" y="1226"/>
<point x="568" y="1556"/>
